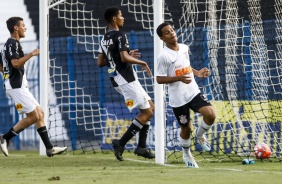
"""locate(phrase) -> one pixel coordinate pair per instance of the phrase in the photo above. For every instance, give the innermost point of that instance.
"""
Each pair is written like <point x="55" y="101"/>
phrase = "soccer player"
<point x="16" y="86"/>
<point x="174" y="69"/>
<point x="114" y="53"/>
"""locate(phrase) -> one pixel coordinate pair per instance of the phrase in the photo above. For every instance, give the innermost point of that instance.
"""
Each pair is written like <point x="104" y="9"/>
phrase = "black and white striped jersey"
<point x="111" y="45"/>
<point x="14" y="77"/>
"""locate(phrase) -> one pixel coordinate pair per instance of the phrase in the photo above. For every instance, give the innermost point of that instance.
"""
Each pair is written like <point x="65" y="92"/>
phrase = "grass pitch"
<point x="30" y="168"/>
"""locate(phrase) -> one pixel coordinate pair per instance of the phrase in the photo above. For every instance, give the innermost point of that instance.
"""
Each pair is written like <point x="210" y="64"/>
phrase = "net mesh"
<point x="238" y="40"/>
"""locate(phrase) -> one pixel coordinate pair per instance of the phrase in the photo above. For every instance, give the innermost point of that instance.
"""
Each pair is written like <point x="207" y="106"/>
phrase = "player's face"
<point x="119" y="19"/>
<point x="169" y="35"/>
<point x="21" y="29"/>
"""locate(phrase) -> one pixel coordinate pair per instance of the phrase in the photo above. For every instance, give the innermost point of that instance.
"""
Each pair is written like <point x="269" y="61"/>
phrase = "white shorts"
<point x="134" y="95"/>
<point x="24" y="100"/>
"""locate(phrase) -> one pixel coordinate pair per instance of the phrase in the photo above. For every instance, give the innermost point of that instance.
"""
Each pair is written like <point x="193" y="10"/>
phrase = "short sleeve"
<point x="100" y="50"/>
<point x="162" y="66"/>
<point x="13" y="49"/>
<point x="122" y="42"/>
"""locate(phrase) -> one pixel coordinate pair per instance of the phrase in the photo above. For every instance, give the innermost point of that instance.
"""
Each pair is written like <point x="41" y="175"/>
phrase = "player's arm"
<point x="203" y="73"/>
<point x="1" y="68"/>
<point x="162" y="68"/>
<point x="166" y="80"/>
<point x="101" y="60"/>
<point x="126" y="58"/>
<point x="134" y="53"/>
<point x="21" y="61"/>
<point x="1" y="64"/>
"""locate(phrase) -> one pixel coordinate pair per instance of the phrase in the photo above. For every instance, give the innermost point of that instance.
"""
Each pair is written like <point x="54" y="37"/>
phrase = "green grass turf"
<point x="30" y="168"/>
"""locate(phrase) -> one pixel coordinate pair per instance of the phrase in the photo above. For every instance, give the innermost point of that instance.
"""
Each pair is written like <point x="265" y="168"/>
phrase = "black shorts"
<point x="182" y="113"/>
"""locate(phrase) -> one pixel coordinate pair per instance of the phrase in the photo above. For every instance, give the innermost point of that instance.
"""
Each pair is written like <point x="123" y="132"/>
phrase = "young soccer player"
<point x="114" y="53"/>
<point x="174" y="69"/>
<point x="16" y="86"/>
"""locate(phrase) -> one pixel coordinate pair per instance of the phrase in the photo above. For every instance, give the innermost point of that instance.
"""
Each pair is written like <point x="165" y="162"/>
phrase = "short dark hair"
<point x="13" y="21"/>
<point x="110" y="12"/>
<point x="160" y="27"/>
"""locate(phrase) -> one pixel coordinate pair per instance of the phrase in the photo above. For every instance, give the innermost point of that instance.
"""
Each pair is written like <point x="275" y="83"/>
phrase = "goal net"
<point x="238" y="40"/>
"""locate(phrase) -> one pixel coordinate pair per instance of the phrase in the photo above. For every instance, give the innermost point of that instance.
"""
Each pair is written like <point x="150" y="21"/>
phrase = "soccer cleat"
<point x="203" y="142"/>
<point x="144" y="152"/>
<point x="118" y="149"/>
<point x="55" y="151"/>
<point x="190" y="162"/>
<point x="4" y="145"/>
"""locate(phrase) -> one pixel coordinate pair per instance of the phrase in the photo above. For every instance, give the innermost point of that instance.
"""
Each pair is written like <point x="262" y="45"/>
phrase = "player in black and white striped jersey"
<point x="114" y="53"/>
<point x="16" y="86"/>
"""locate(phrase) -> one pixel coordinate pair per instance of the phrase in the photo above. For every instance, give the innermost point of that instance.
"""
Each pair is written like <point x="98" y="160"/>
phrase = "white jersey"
<point x="175" y="63"/>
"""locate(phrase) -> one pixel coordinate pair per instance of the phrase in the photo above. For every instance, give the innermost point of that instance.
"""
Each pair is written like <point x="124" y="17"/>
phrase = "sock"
<point x="130" y="132"/>
<point x="42" y="131"/>
<point x="185" y="143"/>
<point x="143" y="135"/>
<point x="202" y="129"/>
<point x="11" y="133"/>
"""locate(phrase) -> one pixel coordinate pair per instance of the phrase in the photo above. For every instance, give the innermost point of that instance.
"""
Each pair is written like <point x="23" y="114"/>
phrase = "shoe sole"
<point x="143" y="156"/>
<point x="4" y="153"/>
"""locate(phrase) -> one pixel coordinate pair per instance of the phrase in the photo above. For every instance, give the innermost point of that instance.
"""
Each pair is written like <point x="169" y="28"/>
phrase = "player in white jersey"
<point x="16" y="86"/>
<point x="174" y="69"/>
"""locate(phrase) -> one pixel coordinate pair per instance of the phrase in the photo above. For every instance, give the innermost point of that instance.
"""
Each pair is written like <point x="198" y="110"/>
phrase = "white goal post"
<point x="44" y="7"/>
<point x="159" y="89"/>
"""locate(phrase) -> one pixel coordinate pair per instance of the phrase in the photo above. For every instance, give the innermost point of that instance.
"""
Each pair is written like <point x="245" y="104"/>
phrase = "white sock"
<point x="185" y="143"/>
<point x="203" y="128"/>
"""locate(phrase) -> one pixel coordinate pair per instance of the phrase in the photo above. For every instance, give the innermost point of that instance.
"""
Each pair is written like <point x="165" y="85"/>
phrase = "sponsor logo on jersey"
<point x="129" y="103"/>
<point x="19" y="106"/>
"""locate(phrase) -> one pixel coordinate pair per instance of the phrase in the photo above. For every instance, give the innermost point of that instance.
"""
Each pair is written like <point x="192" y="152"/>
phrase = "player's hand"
<point x="134" y="53"/>
<point x="185" y="79"/>
<point x="35" y="52"/>
<point x="204" y="72"/>
<point x="148" y="70"/>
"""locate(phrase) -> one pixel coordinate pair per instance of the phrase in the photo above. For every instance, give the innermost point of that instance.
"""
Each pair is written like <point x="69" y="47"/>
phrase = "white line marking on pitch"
<point x="149" y="162"/>
<point x="229" y="169"/>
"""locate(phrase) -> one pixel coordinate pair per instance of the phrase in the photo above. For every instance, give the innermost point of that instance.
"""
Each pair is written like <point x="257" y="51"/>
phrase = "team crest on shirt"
<point x="183" y="119"/>
<point x="129" y="103"/>
<point x="19" y="106"/>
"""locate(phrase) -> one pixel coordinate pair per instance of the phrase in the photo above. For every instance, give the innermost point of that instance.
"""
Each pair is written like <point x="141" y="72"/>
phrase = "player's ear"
<point x="114" y="18"/>
<point x="16" y="28"/>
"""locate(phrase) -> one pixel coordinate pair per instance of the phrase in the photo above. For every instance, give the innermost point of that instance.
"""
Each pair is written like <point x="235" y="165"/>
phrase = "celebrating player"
<point x="114" y="53"/>
<point x="174" y="69"/>
<point x="15" y="84"/>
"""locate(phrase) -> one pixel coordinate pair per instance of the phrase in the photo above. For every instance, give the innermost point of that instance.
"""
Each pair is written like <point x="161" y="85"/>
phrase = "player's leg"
<point x="202" y="105"/>
<point x="143" y="133"/>
<point x="25" y="104"/>
<point x="141" y="149"/>
<point x="183" y="117"/>
<point x="43" y="133"/>
<point x="134" y="98"/>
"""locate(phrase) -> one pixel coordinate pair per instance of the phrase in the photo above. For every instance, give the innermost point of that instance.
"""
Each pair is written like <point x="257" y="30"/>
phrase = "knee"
<point x="39" y="115"/>
<point x="152" y="107"/>
<point x="150" y="113"/>
<point x="35" y="118"/>
<point x="211" y="117"/>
